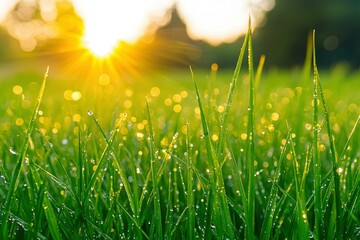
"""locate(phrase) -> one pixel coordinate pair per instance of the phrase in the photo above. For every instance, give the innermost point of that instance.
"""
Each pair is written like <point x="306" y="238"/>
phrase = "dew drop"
<point x="12" y="151"/>
<point x="26" y="161"/>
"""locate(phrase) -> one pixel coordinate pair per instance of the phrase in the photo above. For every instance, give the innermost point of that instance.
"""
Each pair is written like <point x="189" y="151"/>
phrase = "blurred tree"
<point x="337" y="23"/>
<point x="172" y="46"/>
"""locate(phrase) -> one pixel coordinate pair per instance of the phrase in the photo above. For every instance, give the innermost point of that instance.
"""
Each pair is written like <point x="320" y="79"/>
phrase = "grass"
<point x="270" y="155"/>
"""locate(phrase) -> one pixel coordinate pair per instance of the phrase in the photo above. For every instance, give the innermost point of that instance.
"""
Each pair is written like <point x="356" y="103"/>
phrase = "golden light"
<point x="5" y="7"/>
<point x="108" y="22"/>
<point x="98" y="37"/>
<point x="100" y="45"/>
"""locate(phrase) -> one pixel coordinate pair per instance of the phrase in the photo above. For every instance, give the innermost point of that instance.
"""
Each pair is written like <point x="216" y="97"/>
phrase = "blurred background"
<point x="130" y="35"/>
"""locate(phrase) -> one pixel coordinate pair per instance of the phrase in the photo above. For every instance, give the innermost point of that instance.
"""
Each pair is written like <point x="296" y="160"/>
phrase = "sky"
<point x="106" y="22"/>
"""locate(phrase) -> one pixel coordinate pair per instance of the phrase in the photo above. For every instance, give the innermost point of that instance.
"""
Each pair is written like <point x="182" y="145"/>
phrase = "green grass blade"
<point x="334" y="162"/>
<point x="178" y="222"/>
<point x="345" y="148"/>
<point x="167" y="156"/>
<point x="20" y="161"/>
<point x="250" y="212"/>
<point x="190" y="187"/>
<point x="39" y="209"/>
<point x="272" y="199"/>
<point x="134" y="221"/>
<point x="161" y="169"/>
<point x="301" y="216"/>
<point x="306" y="76"/>
<point x="230" y="95"/>
<point x="352" y="212"/>
<point x="239" y="178"/>
<point x="259" y="71"/>
<point x="160" y="172"/>
<point x="81" y="166"/>
<point x="307" y="64"/>
<point x="169" y="217"/>
<point x="213" y="163"/>
<point x="27" y="226"/>
<point x="106" y="150"/>
<point x="243" y="195"/>
<point x="154" y="170"/>
<point x="34" y="166"/>
<point x="217" y="200"/>
<point x="319" y="226"/>
<point x="51" y="218"/>
<point x="98" y="230"/>
<point x="131" y="196"/>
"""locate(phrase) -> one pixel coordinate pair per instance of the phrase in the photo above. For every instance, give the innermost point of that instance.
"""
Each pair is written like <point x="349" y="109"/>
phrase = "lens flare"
<point x="108" y="22"/>
<point x="101" y="44"/>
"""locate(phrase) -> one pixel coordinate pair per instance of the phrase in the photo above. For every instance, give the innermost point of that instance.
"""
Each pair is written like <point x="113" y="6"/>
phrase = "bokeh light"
<point x="30" y="21"/>
<point x="219" y="21"/>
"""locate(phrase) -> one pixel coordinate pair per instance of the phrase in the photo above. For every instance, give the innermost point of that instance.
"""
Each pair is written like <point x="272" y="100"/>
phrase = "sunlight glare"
<point x="108" y="22"/>
<point x="5" y="7"/>
<point x="219" y="21"/>
<point x="101" y="43"/>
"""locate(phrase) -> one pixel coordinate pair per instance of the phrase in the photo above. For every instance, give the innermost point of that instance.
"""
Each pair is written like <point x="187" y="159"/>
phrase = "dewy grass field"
<point x="270" y="157"/>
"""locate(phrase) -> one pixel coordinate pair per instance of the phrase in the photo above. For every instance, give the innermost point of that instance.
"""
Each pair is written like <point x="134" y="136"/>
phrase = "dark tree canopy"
<point x="337" y="24"/>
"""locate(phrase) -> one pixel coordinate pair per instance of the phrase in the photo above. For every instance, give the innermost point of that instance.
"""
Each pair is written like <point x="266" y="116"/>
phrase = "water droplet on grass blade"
<point x="26" y="161"/>
<point x="90" y="113"/>
<point x="12" y="151"/>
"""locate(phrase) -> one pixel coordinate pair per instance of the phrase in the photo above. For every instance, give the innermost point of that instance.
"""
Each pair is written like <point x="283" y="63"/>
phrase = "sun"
<point x="107" y="23"/>
<point x="101" y="44"/>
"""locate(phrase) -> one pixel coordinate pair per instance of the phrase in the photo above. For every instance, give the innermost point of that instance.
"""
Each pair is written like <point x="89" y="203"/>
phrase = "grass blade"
<point x="20" y="161"/>
<point x="319" y="226"/>
<point x="190" y="186"/>
<point x="178" y="222"/>
<point x="272" y="203"/>
<point x="134" y="221"/>
<point x="259" y="71"/>
<point x="217" y="198"/>
<point x="51" y="218"/>
<point x="106" y="150"/>
<point x="230" y="95"/>
<point x="169" y="218"/>
<point x="334" y="162"/>
<point x="250" y="212"/>
<point x="301" y="214"/>
<point x="306" y="76"/>
<point x="131" y="196"/>
<point x="348" y="140"/>
<point x="154" y="170"/>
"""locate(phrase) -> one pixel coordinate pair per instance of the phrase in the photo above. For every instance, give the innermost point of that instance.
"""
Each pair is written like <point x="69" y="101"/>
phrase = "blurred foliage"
<point x="283" y="37"/>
